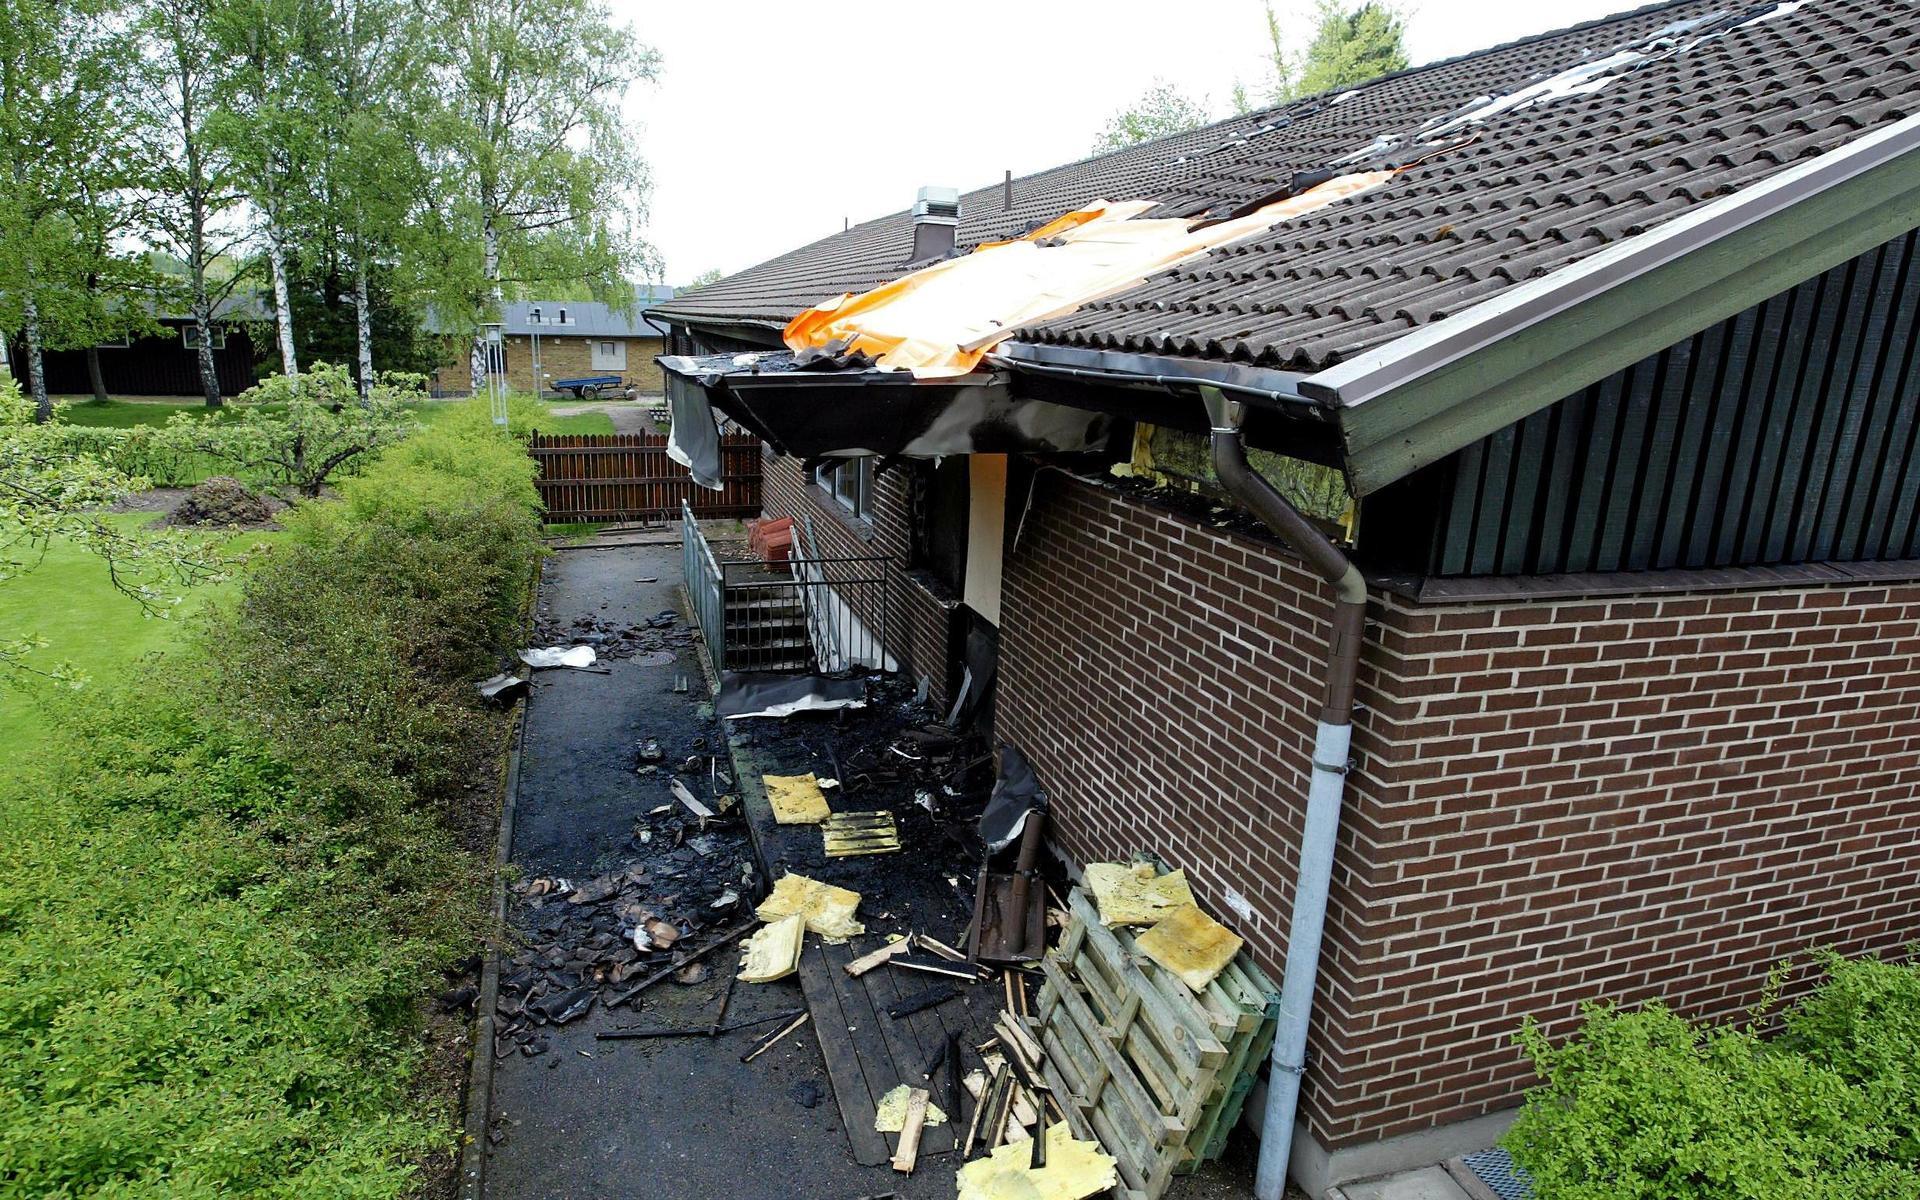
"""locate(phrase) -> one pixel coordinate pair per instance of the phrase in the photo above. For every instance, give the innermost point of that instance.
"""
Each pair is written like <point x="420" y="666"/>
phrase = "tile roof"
<point x="585" y="318"/>
<point x="1515" y="197"/>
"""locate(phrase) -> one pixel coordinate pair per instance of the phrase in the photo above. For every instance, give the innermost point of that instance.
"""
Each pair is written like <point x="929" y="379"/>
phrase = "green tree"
<point x="1349" y="46"/>
<point x="302" y="432"/>
<point x="1161" y="110"/>
<point x="62" y="63"/>
<point x="710" y="275"/>
<point x="539" y="182"/>
<point x="264" y="120"/>
<point x="371" y="175"/>
<point x="327" y="317"/>
<point x="192" y="180"/>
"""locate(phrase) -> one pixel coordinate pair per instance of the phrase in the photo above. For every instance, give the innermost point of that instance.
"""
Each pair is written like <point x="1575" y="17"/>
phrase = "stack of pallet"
<point x="1155" y="1071"/>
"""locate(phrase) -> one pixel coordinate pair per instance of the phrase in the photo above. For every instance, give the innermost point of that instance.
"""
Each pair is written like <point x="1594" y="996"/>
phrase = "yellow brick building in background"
<point x="545" y="341"/>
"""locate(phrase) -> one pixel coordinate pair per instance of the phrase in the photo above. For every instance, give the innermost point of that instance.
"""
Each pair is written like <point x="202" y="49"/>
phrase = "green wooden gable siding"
<point x="1785" y="434"/>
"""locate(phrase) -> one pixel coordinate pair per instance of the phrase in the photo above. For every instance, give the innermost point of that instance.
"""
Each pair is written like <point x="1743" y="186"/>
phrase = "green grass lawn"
<point x="124" y="414"/>
<point x="67" y="600"/>
<point x="432" y="411"/>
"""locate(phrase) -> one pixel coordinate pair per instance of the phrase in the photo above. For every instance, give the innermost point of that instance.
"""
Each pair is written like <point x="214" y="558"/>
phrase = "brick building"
<point x="548" y="340"/>
<point x="1611" y="391"/>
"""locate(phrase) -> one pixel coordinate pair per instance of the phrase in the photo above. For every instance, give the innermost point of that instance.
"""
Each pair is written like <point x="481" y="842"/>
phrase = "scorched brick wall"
<point x="1551" y="801"/>
<point x="916" y="619"/>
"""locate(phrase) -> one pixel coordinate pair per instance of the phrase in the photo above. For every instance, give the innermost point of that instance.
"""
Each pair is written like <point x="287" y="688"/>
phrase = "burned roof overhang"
<point x="1165" y="390"/>
<point x="752" y="330"/>
<point x="1431" y="392"/>
<point x="852" y="411"/>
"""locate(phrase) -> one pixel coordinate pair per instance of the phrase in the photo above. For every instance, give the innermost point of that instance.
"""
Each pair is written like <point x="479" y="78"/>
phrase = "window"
<point x="609" y="356"/>
<point x="190" y="337"/>
<point x="122" y="342"/>
<point x="849" y="482"/>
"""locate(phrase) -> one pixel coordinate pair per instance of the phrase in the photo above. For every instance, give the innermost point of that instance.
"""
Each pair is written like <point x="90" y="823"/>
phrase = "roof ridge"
<point x="1319" y="99"/>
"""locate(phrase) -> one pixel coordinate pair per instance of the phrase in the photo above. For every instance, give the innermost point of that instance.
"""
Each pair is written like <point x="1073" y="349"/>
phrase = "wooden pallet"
<point x="1245" y="988"/>
<point x="1134" y="1056"/>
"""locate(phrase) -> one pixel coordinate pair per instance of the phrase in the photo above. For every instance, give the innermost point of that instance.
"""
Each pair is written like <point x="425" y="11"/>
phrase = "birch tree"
<point x="190" y="172"/>
<point x="264" y="123"/>
<point x="60" y="64"/>
<point x="540" y="182"/>
<point x="369" y="66"/>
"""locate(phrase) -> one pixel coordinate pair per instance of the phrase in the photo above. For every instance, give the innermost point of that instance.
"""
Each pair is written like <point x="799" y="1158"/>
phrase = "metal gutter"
<point x="1278" y="388"/>
<point x="1327" y="778"/>
<point x="1425" y="395"/>
<point x="745" y="328"/>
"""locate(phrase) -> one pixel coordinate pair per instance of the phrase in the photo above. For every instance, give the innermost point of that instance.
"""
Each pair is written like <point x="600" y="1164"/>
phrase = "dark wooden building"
<point x="163" y="364"/>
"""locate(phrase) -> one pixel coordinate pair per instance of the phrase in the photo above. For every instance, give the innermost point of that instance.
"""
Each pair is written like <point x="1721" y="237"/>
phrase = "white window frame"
<point x="187" y="332"/>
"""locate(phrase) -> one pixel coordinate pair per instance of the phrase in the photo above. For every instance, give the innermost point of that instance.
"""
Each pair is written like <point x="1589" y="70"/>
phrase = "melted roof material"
<point x="940" y="320"/>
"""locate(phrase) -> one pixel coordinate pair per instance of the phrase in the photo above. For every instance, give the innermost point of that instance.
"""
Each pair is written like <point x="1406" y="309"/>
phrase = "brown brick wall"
<point x="561" y="357"/>
<point x="1551" y="802"/>
<point x="917" y="618"/>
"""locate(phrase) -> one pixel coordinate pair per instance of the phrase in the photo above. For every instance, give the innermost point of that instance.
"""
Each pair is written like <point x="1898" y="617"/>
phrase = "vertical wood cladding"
<point x="1786" y="434"/>
<point x="1551" y="801"/>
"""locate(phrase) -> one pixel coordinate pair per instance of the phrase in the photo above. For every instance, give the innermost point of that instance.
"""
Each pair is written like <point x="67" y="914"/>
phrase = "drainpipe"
<point x="1331" y="737"/>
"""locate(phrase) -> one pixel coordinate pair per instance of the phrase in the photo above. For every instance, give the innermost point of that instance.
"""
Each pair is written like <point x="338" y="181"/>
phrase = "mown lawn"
<point x="125" y="414"/>
<point x="432" y="412"/>
<point x="68" y="600"/>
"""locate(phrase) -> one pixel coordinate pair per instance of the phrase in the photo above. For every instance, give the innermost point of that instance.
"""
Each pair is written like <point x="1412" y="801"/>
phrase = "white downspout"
<point x="1333" y="735"/>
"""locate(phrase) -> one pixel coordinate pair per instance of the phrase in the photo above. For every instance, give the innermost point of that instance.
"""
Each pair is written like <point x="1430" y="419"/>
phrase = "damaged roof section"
<point x="1549" y="150"/>
<point x="940" y="320"/>
<point x="837" y="402"/>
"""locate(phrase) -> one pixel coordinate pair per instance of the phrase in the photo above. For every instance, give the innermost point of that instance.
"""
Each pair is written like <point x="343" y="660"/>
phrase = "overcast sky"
<point x="775" y="122"/>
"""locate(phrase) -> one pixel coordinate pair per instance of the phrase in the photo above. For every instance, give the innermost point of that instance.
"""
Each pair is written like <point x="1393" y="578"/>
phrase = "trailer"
<point x="590" y="387"/>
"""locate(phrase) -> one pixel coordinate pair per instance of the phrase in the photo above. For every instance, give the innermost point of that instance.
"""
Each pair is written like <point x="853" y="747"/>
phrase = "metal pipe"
<point x="1331" y="739"/>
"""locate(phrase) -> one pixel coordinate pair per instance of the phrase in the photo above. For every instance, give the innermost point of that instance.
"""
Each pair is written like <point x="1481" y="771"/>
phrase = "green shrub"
<point x="225" y="889"/>
<point x="1863" y="1024"/>
<point x="1644" y="1105"/>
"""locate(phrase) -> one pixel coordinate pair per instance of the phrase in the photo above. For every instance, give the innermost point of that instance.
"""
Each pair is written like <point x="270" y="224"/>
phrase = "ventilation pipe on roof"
<point x="936" y="217"/>
<point x="1332" y="733"/>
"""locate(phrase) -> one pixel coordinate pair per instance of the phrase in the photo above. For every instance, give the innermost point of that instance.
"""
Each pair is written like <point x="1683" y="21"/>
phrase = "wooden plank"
<point x="896" y="1056"/>
<point x="840" y="1031"/>
<point x="929" y="1036"/>
<point x="905" y="1158"/>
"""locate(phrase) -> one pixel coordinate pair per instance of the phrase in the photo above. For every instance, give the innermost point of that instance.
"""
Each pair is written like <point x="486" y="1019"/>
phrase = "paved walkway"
<point x="667" y="1118"/>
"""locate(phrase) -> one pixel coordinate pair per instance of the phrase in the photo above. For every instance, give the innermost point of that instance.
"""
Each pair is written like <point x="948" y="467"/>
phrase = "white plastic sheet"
<point x="559" y="656"/>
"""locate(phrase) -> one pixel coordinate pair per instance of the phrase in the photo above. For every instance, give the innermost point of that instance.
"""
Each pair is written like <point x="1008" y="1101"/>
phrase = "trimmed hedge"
<point x="1645" y="1105"/>
<point x="226" y="890"/>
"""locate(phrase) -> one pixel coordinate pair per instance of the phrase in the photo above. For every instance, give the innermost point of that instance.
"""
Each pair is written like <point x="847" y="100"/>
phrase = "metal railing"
<point x="825" y="614"/>
<point x="703" y="580"/>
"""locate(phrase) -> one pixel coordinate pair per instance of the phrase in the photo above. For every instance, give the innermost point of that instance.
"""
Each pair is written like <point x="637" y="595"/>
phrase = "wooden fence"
<point x="628" y="477"/>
